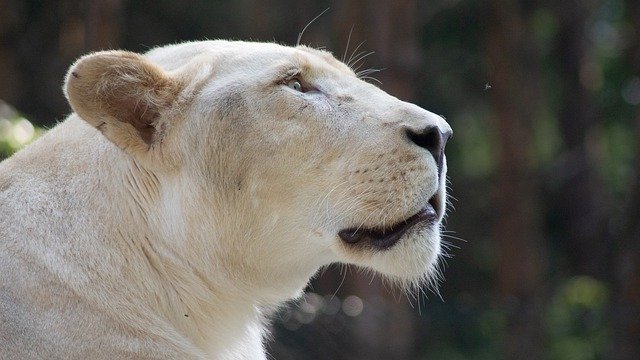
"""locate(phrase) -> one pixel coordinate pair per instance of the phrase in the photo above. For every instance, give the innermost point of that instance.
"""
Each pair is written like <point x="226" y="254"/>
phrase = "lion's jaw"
<point x="283" y="173"/>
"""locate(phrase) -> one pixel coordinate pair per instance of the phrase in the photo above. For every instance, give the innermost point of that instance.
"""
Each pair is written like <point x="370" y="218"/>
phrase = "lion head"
<point x="272" y="161"/>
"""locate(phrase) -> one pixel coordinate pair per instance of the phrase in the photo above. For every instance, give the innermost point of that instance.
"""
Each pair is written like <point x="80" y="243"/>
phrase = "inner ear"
<point x="123" y="95"/>
<point x="142" y="114"/>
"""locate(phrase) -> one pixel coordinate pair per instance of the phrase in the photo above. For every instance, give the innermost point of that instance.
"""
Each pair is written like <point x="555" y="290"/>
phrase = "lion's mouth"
<point x="385" y="238"/>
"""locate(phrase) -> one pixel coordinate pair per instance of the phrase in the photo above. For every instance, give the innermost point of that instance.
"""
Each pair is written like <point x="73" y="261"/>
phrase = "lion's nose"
<point x="432" y="139"/>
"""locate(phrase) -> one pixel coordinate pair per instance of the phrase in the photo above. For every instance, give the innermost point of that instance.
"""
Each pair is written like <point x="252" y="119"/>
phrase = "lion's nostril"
<point x="431" y="139"/>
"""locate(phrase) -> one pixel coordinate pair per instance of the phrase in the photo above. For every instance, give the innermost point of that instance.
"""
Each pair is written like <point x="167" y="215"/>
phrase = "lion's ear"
<point x="123" y="95"/>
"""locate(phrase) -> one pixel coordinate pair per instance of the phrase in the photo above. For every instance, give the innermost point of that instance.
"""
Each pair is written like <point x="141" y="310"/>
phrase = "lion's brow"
<point x="324" y="55"/>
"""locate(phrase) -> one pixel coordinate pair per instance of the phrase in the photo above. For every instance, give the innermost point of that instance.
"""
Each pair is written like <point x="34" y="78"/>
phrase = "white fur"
<point x="113" y="247"/>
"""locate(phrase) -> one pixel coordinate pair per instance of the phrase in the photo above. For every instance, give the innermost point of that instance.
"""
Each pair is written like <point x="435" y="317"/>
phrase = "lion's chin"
<point x="407" y="252"/>
<point x="412" y="260"/>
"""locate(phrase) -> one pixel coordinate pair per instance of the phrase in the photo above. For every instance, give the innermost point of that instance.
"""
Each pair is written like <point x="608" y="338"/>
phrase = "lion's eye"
<point x="295" y="84"/>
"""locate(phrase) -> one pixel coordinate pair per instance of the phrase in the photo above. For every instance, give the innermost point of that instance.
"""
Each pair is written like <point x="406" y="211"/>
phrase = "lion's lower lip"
<point x="385" y="238"/>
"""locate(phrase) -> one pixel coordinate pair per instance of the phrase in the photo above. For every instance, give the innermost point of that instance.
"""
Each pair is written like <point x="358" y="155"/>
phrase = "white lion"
<point x="198" y="186"/>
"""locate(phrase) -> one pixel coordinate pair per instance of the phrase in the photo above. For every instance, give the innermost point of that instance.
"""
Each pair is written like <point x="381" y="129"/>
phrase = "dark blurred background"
<point x="543" y="96"/>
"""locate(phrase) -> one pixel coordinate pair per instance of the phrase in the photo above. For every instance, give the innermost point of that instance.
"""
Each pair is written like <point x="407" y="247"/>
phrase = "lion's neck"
<point x="215" y="287"/>
<point x="185" y="278"/>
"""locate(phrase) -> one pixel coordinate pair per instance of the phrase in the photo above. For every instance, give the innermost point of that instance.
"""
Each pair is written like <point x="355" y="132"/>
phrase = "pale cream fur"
<point x="210" y="194"/>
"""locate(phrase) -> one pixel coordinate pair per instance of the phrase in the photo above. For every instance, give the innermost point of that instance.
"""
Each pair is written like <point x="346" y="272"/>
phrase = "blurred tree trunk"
<point x="103" y="24"/>
<point x="12" y="21"/>
<point x="388" y="329"/>
<point x="258" y="17"/>
<point x="515" y="95"/>
<point x="580" y="197"/>
<point x="390" y="29"/>
<point x="38" y="41"/>
<point x="626" y="295"/>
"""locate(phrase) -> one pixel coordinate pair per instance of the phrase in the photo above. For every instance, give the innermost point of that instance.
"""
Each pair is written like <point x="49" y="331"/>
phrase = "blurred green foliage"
<point x="16" y="133"/>
<point x="576" y="320"/>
